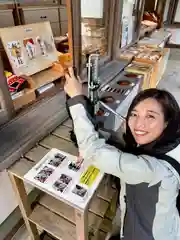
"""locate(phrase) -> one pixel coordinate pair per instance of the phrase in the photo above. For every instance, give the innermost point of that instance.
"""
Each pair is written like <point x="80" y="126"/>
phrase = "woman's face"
<point x="146" y="121"/>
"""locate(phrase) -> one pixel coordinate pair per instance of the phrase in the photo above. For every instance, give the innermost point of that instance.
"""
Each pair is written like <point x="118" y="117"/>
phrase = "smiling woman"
<point x="149" y="117"/>
<point x="150" y="184"/>
<point x="146" y="121"/>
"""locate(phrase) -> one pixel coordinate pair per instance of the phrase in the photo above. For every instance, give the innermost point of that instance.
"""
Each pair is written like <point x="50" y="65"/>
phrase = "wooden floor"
<point x="22" y="234"/>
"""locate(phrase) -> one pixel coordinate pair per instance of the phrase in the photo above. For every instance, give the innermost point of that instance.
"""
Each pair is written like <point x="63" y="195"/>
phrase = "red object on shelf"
<point x="100" y="112"/>
<point x="16" y="84"/>
<point x="124" y="83"/>
<point x="131" y="75"/>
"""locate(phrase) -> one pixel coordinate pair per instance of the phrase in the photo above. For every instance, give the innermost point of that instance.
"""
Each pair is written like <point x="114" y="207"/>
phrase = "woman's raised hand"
<point x="72" y="86"/>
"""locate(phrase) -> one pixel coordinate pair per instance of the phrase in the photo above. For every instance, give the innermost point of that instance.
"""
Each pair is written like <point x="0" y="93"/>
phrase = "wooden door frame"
<point x="7" y="111"/>
<point x="74" y="30"/>
<point x="172" y="12"/>
<point x="118" y="25"/>
<point x="175" y="5"/>
<point x="160" y="8"/>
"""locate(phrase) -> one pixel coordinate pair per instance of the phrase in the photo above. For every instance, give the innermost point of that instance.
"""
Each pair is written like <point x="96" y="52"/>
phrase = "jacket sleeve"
<point x="130" y="168"/>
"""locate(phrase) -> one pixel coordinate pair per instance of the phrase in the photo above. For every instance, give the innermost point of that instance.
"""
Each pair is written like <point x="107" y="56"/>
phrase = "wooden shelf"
<point x="52" y="223"/>
<point x="59" y="212"/>
<point x="44" y="77"/>
<point x="67" y="212"/>
<point x="105" y="191"/>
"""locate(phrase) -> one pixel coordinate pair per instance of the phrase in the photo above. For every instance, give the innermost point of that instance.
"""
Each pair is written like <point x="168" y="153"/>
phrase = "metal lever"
<point x="93" y="80"/>
<point x="114" y="112"/>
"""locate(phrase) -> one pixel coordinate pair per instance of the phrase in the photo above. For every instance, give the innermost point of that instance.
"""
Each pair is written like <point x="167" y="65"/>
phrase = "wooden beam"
<point x="6" y="102"/>
<point x="24" y="205"/>
<point x="117" y="28"/>
<point x="74" y="31"/>
<point x="53" y="223"/>
<point x="141" y="5"/>
<point x="81" y="224"/>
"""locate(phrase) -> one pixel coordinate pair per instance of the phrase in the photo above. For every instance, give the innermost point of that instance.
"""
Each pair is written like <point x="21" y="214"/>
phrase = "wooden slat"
<point x="21" y="167"/>
<point x="98" y="206"/>
<point x="62" y="132"/>
<point x="67" y="212"/>
<point x="111" y="212"/>
<point x="99" y="236"/>
<point x="106" y="225"/>
<point x="24" y="205"/>
<point x="53" y="223"/>
<point x="46" y="237"/>
<point x="106" y="191"/>
<point x="68" y="123"/>
<point x="58" y="207"/>
<point x="36" y="153"/>
<point x="82" y="231"/>
<point x="59" y="143"/>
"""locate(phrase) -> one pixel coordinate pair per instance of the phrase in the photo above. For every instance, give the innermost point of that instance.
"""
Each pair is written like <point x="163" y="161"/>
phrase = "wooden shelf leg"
<point x="81" y="224"/>
<point x="24" y="205"/>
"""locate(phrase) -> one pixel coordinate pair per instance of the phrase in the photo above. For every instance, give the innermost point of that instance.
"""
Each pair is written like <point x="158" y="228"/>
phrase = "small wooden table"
<point x="44" y="212"/>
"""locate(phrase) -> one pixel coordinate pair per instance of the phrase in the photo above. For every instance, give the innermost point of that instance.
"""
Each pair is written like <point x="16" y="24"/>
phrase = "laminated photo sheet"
<point x="58" y="174"/>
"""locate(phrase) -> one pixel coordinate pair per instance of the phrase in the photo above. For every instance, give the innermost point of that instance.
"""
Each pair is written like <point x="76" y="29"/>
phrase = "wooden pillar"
<point x="74" y="31"/>
<point x="24" y="205"/>
<point x="6" y="103"/>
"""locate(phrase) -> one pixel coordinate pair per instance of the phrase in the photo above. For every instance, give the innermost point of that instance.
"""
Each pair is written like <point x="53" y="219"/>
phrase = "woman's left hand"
<point x="72" y="86"/>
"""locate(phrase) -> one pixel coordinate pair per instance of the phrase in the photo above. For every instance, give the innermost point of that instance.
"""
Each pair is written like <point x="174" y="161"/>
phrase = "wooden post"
<point x="24" y="205"/>
<point x="81" y="224"/>
<point x="5" y="97"/>
<point x="74" y="32"/>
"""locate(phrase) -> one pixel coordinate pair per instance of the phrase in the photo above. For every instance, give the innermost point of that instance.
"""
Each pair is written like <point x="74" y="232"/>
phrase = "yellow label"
<point x="89" y="176"/>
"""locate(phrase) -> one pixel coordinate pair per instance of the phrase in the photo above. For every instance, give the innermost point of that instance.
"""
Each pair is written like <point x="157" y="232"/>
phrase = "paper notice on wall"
<point x="130" y="30"/>
<point x="124" y="38"/>
<point x="92" y="8"/>
<point x="16" y="54"/>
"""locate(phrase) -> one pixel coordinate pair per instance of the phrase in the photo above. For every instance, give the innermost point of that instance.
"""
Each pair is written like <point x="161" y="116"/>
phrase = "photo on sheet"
<point x="15" y="51"/>
<point x="30" y="47"/>
<point x="57" y="160"/>
<point x="65" y="179"/>
<point x="80" y="191"/>
<point x="44" y="174"/>
<point x="61" y="184"/>
<point x="40" y="42"/>
<point x="74" y="167"/>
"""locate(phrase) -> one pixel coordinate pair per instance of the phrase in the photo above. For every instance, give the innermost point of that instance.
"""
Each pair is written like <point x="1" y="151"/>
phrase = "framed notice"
<point x="30" y="48"/>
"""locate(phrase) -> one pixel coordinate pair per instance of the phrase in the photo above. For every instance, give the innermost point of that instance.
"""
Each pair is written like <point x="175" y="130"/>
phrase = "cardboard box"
<point x="158" y="65"/>
<point x="156" y="74"/>
<point x="142" y="69"/>
<point x="23" y="98"/>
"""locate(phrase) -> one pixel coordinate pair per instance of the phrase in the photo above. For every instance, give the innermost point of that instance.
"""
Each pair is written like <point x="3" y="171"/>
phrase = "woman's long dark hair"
<point x="170" y="138"/>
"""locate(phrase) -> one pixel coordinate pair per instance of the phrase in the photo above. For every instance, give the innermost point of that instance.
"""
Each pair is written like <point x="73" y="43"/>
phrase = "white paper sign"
<point x="92" y="8"/>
